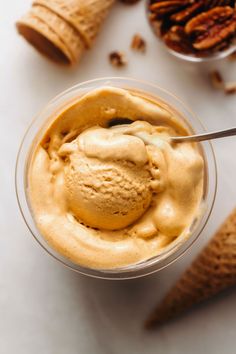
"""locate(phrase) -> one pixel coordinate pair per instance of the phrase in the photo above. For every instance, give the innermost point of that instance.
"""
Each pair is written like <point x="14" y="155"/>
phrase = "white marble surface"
<point x="45" y="308"/>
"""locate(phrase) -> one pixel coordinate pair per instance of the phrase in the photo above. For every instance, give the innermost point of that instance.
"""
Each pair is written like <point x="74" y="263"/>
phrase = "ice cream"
<point x="107" y="184"/>
<point x="101" y="196"/>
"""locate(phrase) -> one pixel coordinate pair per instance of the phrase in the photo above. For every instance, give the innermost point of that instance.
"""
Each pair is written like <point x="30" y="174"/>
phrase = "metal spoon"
<point x="155" y="140"/>
<point x="206" y="136"/>
<point x="151" y="139"/>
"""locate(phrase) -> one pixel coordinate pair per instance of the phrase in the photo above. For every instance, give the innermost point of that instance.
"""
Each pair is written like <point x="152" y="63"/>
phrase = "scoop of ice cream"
<point x="107" y="180"/>
<point x="106" y="195"/>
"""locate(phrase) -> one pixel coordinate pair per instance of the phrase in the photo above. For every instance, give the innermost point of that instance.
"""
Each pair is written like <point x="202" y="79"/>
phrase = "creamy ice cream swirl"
<point x="102" y="197"/>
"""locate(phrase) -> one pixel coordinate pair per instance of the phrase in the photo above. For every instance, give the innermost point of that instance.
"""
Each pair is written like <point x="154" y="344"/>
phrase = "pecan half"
<point x="138" y="43"/>
<point x="117" y="59"/>
<point x="210" y="28"/>
<point x="167" y="7"/>
<point x="217" y="80"/>
<point x="188" y="12"/>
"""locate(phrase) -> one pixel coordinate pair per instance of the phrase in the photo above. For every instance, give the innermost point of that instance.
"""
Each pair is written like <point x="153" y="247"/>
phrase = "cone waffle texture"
<point x="65" y="32"/>
<point x="213" y="271"/>
<point x="86" y="16"/>
<point x="62" y="30"/>
<point x="31" y="27"/>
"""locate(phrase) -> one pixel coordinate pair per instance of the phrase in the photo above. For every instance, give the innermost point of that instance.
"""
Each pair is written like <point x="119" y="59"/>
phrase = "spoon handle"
<point x="205" y="136"/>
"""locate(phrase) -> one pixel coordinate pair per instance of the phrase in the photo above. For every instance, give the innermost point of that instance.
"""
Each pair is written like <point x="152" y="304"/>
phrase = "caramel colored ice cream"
<point x="106" y="182"/>
<point x="102" y="197"/>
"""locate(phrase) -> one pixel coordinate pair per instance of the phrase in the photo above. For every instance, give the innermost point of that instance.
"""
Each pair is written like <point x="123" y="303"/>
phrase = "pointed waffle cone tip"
<point x="213" y="271"/>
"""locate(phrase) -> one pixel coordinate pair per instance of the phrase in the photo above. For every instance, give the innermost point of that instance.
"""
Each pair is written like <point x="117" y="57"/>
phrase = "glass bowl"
<point x="174" y="251"/>
<point x="221" y="54"/>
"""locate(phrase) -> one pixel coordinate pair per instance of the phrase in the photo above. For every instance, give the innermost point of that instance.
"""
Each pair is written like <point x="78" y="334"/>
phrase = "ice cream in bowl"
<point x="100" y="199"/>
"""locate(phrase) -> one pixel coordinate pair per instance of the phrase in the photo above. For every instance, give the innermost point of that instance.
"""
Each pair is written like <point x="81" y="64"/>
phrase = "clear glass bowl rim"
<point x="140" y="269"/>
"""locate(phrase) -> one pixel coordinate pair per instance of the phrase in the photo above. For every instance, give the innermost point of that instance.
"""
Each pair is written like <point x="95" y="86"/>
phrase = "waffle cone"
<point x="66" y="33"/>
<point x="44" y="39"/>
<point x="62" y="30"/>
<point x="86" y="16"/>
<point x="213" y="271"/>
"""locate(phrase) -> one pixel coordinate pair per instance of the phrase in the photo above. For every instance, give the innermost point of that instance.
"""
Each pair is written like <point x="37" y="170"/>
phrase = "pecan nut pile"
<point x="196" y="27"/>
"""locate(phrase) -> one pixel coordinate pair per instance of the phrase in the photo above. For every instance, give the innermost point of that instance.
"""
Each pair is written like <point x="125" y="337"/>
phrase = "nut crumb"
<point x="138" y="43"/>
<point x="129" y="2"/>
<point x="218" y="82"/>
<point x="217" y="79"/>
<point x="117" y="59"/>
<point x="230" y="88"/>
